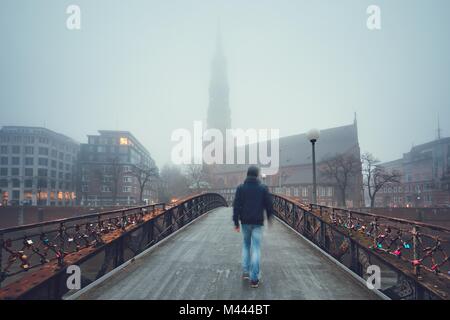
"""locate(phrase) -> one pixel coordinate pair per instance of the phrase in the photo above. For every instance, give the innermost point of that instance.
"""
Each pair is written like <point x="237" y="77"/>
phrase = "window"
<point x="28" y="183"/>
<point x="126" y="189"/>
<point x="304" y="192"/>
<point x="322" y="191"/>
<point x="43" y="151"/>
<point x="3" y="172"/>
<point x="53" y="174"/>
<point x="53" y="163"/>
<point x="16" y="183"/>
<point x="127" y="179"/>
<point x="85" y="188"/>
<point x="29" y="150"/>
<point x="16" y="149"/>
<point x="54" y="153"/>
<point x="4" y="160"/>
<point x="330" y="191"/>
<point x="29" y="161"/>
<point x="295" y="192"/>
<point x="28" y="172"/>
<point x="15" y="171"/>
<point x="43" y="162"/>
<point x="3" y="183"/>
<point x="61" y="156"/>
<point x="106" y="188"/>
<point x="42" y="172"/>
<point x="123" y="141"/>
<point x="4" y="149"/>
<point x="126" y="169"/>
<point x="42" y="183"/>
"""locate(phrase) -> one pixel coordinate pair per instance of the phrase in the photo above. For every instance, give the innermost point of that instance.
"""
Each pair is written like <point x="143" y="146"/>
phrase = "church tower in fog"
<point x="219" y="114"/>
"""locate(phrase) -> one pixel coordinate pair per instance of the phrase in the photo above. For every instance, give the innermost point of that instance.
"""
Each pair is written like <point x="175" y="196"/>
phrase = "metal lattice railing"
<point x="414" y="256"/>
<point x="97" y="242"/>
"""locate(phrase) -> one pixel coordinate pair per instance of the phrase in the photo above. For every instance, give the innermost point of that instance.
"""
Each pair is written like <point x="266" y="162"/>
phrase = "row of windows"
<point x="408" y="188"/>
<point x="29" y="172"/>
<point x="28" y="150"/>
<point x="15" y="161"/>
<point x="54" y="195"/>
<point x="304" y="191"/>
<point x="125" y="189"/>
<point x="41" y="184"/>
<point x="295" y="191"/>
<point x="107" y="179"/>
<point x="408" y="199"/>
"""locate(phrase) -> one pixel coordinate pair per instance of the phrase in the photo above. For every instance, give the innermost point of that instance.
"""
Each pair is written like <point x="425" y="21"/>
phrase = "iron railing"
<point x="34" y="258"/>
<point x="413" y="257"/>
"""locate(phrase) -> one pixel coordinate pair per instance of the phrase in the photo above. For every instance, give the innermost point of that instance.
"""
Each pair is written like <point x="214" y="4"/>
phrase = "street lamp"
<point x="313" y="136"/>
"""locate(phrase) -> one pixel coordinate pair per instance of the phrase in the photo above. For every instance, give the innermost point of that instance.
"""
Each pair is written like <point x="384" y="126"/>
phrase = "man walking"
<point x="250" y="200"/>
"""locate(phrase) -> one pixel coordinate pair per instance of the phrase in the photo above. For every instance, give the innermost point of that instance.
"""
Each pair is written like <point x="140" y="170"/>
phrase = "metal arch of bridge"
<point x="413" y="255"/>
<point x="34" y="258"/>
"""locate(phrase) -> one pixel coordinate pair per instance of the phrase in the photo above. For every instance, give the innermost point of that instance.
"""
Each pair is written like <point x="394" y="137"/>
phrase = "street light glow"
<point x="313" y="135"/>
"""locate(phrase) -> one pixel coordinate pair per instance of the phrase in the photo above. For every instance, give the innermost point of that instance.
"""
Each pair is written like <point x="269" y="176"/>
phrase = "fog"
<point x="144" y="66"/>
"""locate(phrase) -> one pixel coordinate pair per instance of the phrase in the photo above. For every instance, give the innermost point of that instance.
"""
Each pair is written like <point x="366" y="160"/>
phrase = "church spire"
<point x="219" y="115"/>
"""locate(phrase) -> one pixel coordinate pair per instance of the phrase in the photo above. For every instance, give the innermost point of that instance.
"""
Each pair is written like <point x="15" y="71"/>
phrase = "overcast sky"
<point x="144" y="66"/>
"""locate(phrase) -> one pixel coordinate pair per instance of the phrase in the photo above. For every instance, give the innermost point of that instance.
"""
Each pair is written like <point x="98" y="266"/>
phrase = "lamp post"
<point x="313" y="136"/>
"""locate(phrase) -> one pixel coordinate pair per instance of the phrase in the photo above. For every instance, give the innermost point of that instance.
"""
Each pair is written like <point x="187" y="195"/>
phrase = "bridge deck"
<point x="203" y="262"/>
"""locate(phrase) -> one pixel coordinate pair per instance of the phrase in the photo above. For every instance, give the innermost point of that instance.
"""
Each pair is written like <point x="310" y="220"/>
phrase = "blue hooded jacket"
<point x="250" y="200"/>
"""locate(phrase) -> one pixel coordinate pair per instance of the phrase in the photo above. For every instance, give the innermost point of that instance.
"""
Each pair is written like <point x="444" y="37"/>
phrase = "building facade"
<point x="294" y="177"/>
<point x="37" y="167"/>
<point x="425" y="177"/>
<point x="107" y="175"/>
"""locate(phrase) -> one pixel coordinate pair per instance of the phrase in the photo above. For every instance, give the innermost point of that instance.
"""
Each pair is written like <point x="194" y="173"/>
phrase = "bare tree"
<point x="144" y="175"/>
<point x="197" y="176"/>
<point x="172" y="183"/>
<point x="376" y="177"/>
<point x="341" y="168"/>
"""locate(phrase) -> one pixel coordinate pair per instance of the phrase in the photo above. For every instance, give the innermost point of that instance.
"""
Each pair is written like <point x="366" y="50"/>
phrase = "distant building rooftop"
<point x="35" y="131"/>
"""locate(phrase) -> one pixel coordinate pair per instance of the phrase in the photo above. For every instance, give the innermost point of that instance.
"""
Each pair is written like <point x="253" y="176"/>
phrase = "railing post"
<point x="124" y="220"/>
<point x="61" y="245"/>
<point x="354" y="257"/>
<point x="305" y="222"/>
<point x="1" y="261"/>
<point x="150" y="231"/>
<point x="416" y="249"/>
<point x="294" y="214"/>
<point x="322" y="234"/>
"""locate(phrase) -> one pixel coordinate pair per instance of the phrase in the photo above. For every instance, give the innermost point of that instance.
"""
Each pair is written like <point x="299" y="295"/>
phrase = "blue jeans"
<point x="251" y="249"/>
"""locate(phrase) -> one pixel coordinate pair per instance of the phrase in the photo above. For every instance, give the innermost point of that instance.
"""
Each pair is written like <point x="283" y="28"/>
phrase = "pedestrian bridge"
<point x="189" y="250"/>
<point x="202" y="261"/>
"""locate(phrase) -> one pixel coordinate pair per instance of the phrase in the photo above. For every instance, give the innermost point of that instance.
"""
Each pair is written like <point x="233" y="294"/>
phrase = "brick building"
<point x="425" y="177"/>
<point x="294" y="177"/>
<point x="106" y="169"/>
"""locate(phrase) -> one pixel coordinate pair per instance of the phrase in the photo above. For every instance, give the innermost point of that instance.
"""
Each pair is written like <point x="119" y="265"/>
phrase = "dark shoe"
<point x="254" y="283"/>
<point x="245" y="276"/>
